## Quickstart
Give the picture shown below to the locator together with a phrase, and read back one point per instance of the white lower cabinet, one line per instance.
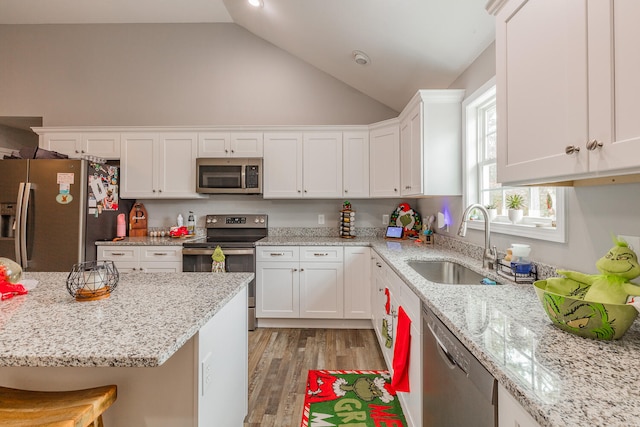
(357, 282)
(511, 413)
(386, 281)
(312, 282)
(148, 259)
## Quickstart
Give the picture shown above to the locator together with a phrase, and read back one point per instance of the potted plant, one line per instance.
(515, 203)
(492, 208)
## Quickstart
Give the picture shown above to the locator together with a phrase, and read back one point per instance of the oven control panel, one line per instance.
(236, 221)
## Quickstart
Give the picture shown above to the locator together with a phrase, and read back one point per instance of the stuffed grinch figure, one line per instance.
(613, 286)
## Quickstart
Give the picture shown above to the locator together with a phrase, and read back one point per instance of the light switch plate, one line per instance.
(385, 219)
(320, 219)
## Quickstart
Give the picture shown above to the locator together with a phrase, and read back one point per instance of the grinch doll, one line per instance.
(613, 286)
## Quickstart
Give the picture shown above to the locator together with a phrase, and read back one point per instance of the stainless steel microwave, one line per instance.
(229, 175)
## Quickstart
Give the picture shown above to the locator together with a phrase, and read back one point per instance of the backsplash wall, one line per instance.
(282, 213)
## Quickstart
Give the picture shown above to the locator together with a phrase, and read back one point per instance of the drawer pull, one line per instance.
(320, 254)
(276, 254)
(160, 253)
(118, 253)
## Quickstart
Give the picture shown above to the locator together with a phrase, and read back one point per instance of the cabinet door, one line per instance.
(277, 289)
(321, 290)
(177, 165)
(384, 156)
(614, 87)
(510, 412)
(102, 144)
(542, 96)
(357, 282)
(214, 144)
(355, 164)
(64, 143)
(247, 144)
(161, 267)
(138, 165)
(322, 165)
(282, 165)
(411, 152)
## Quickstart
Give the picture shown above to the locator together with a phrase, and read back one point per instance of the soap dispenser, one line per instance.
(191, 223)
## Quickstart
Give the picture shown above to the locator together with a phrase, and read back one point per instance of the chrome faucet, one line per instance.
(490, 256)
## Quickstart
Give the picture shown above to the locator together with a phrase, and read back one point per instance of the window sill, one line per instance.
(550, 234)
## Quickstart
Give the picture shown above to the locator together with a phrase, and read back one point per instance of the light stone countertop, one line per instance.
(152, 241)
(559, 378)
(147, 318)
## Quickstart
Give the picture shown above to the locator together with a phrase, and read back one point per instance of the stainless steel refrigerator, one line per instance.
(53, 211)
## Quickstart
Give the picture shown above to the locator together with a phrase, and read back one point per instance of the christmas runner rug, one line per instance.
(342, 398)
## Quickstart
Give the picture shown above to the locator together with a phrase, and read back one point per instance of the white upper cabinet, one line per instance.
(384, 159)
(105, 145)
(158, 165)
(322, 164)
(430, 156)
(355, 164)
(303, 165)
(230, 144)
(567, 90)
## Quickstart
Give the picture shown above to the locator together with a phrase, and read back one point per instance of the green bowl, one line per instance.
(600, 321)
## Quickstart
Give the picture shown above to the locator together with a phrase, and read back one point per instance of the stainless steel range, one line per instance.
(237, 236)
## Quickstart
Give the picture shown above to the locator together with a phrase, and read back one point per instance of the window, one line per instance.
(544, 207)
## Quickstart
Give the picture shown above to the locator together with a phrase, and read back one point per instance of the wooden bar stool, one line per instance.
(77, 408)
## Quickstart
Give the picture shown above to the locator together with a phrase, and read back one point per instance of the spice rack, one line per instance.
(347, 219)
(505, 270)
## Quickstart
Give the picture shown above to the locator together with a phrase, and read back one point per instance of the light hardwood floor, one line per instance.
(280, 358)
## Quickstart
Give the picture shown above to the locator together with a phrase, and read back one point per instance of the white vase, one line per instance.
(493, 214)
(515, 215)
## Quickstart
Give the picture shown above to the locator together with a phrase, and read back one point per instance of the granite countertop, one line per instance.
(147, 318)
(559, 378)
(152, 241)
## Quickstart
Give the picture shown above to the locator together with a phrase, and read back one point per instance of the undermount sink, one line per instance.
(447, 272)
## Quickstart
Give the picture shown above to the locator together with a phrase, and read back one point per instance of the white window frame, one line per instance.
(470, 187)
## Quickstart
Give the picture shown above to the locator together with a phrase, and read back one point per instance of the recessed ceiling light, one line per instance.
(256, 3)
(360, 57)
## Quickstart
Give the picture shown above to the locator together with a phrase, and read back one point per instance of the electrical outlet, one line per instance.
(207, 373)
(320, 219)
(632, 241)
(385, 219)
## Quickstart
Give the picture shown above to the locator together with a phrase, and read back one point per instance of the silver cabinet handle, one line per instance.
(320, 254)
(593, 144)
(160, 253)
(117, 253)
(571, 149)
(276, 254)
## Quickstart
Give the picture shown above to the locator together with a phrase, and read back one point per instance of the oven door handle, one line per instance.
(207, 251)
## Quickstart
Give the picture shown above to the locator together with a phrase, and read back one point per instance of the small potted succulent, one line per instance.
(492, 208)
(515, 203)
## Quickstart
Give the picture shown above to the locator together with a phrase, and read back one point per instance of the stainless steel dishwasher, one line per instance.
(457, 390)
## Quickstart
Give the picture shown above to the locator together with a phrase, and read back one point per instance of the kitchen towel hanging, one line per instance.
(387, 320)
(401, 352)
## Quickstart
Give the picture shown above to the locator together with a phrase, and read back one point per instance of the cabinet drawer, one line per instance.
(160, 253)
(321, 253)
(277, 253)
(117, 253)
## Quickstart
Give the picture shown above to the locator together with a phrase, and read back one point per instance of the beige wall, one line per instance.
(167, 74)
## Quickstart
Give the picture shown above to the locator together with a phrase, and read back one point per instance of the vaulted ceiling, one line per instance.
(411, 44)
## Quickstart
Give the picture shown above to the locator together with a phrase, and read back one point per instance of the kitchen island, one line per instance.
(560, 379)
(175, 345)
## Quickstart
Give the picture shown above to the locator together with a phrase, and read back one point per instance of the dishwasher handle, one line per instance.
(446, 356)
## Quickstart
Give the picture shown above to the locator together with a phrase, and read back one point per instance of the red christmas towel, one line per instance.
(400, 380)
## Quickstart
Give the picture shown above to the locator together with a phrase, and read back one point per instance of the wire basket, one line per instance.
(92, 280)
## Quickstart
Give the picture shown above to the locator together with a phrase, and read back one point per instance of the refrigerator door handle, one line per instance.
(23, 208)
(18, 224)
